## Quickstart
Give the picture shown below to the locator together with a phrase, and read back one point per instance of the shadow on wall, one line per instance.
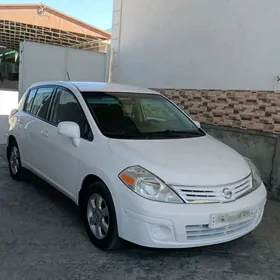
(4, 126)
(8, 101)
(9, 85)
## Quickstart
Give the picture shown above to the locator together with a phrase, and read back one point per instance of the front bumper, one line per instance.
(163, 225)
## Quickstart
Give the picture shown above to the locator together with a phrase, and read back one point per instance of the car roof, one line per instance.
(99, 87)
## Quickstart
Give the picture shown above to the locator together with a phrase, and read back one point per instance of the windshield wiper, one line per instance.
(174, 133)
(122, 134)
(170, 131)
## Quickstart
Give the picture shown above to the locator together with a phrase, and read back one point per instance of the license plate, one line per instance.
(222, 220)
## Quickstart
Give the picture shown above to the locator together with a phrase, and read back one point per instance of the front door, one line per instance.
(64, 159)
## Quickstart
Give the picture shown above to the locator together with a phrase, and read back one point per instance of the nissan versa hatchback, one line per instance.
(137, 166)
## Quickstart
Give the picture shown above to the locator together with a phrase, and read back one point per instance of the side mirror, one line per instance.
(197, 124)
(70, 130)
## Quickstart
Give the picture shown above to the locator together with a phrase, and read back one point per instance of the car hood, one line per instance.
(202, 161)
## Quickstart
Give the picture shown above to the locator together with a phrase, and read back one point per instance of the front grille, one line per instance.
(214, 193)
(204, 232)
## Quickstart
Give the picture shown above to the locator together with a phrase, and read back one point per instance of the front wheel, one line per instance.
(100, 217)
(17, 172)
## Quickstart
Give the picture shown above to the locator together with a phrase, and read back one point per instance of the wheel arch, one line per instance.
(88, 180)
(11, 139)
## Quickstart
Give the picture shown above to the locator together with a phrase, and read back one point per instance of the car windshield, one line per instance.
(139, 116)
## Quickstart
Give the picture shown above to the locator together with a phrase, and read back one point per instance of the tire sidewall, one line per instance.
(19, 175)
(109, 242)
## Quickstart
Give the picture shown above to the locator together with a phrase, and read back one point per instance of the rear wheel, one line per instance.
(17, 172)
(99, 217)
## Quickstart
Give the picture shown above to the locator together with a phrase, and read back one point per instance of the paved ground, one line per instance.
(41, 237)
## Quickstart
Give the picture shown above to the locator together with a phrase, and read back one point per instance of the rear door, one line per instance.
(36, 127)
(23, 118)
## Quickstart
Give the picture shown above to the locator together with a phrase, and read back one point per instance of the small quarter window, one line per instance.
(30, 100)
(22, 101)
(41, 102)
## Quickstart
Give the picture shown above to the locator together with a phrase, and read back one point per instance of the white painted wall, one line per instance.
(213, 44)
(42, 62)
(8, 101)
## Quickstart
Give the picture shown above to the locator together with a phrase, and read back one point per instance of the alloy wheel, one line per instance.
(14, 160)
(98, 216)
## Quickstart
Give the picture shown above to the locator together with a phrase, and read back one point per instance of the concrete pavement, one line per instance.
(42, 237)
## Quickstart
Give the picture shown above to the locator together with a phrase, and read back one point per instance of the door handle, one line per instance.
(20, 121)
(45, 133)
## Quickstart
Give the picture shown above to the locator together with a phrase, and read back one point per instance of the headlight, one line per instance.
(255, 174)
(148, 185)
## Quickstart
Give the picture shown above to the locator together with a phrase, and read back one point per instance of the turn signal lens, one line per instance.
(255, 174)
(14, 111)
(127, 179)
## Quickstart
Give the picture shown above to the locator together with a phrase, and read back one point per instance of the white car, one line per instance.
(136, 165)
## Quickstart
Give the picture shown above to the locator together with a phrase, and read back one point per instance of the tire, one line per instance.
(17, 172)
(97, 196)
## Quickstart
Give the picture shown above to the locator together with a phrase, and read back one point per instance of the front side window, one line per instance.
(139, 116)
(67, 108)
(41, 102)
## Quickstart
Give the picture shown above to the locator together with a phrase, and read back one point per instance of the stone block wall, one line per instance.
(262, 148)
(247, 121)
(253, 110)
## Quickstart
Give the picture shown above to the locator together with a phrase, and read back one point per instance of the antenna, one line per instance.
(68, 76)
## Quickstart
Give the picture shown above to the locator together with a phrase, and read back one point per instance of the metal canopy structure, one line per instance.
(39, 23)
(11, 33)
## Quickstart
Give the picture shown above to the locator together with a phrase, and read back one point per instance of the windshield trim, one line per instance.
(144, 136)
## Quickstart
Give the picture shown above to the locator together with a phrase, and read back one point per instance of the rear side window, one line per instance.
(30, 100)
(41, 102)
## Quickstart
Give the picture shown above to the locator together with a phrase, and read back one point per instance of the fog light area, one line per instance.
(162, 233)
